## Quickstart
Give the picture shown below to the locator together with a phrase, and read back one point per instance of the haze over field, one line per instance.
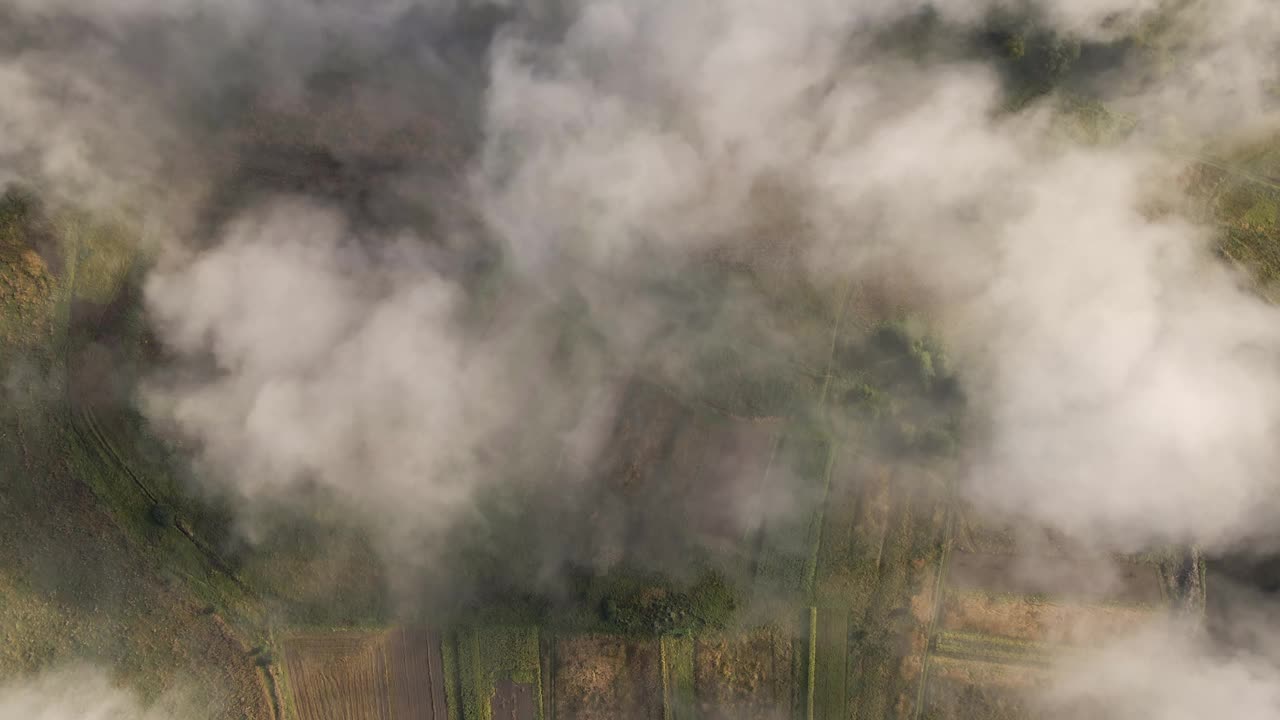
(321, 184)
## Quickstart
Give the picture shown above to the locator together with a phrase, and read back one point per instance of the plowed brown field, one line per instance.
(394, 675)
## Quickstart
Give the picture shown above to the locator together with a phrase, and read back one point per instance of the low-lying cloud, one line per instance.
(81, 693)
(325, 320)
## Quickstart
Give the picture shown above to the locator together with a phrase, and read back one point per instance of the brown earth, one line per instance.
(602, 677)
(743, 677)
(417, 675)
(647, 420)
(673, 465)
(511, 701)
(719, 464)
(393, 675)
(951, 697)
(339, 675)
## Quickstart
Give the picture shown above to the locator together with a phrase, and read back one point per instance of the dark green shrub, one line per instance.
(163, 515)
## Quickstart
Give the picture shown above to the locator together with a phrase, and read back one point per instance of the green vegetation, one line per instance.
(976, 646)
(811, 666)
(679, 701)
(1241, 194)
(127, 590)
(487, 654)
(1034, 60)
(896, 387)
(647, 604)
(107, 254)
(830, 656)
(452, 676)
(1086, 121)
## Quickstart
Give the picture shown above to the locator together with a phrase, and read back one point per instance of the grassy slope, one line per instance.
(82, 579)
(75, 587)
(1241, 189)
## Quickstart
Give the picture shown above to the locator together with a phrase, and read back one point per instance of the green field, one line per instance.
(830, 658)
(679, 701)
(488, 654)
(973, 646)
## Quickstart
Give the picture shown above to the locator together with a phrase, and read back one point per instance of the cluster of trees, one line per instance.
(644, 605)
(1033, 60)
(898, 382)
(1034, 57)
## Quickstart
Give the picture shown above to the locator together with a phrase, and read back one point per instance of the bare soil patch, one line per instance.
(513, 701)
(603, 677)
(417, 675)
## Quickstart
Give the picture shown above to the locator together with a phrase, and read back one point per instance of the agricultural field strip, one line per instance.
(346, 673)
(668, 687)
(835, 338)
(678, 687)
(502, 652)
(417, 675)
(547, 662)
(1054, 599)
(809, 578)
(452, 675)
(811, 563)
(939, 589)
(811, 669)
(607, 676)
(811, 568)
(990, 648)
(831, 664)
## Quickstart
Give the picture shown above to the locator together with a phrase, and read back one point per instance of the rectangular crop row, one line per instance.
(991, 648)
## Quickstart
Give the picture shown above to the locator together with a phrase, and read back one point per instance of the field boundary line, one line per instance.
(1229, 169)
(837, 326)
(666, 678)
(90, 434)
(939, 591)
(812, 669)
(996, 649)
(811, 563)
